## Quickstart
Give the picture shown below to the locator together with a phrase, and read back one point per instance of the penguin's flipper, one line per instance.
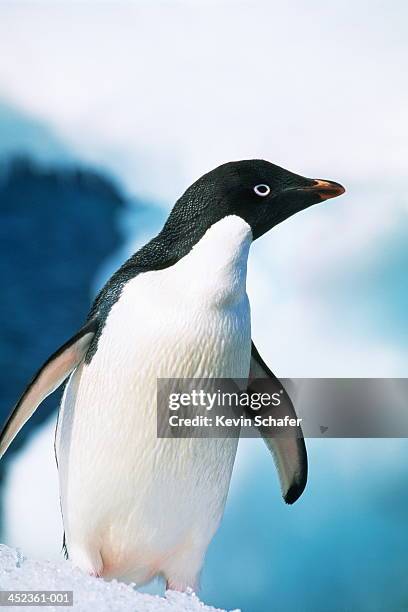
(289, 451)
(52, 374)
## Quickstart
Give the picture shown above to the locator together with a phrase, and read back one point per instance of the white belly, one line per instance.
(135, 505)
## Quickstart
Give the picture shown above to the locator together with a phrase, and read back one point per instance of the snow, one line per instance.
(90, 594)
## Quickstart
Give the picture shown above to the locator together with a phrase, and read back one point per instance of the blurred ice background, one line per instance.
(149, 95)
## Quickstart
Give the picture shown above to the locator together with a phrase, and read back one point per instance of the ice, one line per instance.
(90, 594)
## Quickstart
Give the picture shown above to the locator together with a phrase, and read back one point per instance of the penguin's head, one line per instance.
(262, 193)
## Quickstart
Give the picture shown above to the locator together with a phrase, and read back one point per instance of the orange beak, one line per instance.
(325, 189)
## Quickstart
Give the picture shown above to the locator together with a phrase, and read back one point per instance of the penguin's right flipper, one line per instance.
(52, 374)
(289, 451)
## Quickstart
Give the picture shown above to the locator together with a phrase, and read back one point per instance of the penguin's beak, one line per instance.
(323, 189)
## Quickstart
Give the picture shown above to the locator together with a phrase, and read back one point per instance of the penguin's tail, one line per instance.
(64, 548)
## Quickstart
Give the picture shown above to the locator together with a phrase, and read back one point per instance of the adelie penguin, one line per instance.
(134, 505)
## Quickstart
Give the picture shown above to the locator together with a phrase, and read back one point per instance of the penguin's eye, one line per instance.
(262, 190)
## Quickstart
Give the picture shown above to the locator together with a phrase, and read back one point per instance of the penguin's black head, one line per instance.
(256, 190)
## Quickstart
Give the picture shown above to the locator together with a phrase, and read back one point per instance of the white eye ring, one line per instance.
(262, 190)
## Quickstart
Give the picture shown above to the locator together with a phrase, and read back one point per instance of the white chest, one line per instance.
(119, 482)
(192, 319)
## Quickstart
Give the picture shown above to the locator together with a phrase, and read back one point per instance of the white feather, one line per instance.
(134, 505)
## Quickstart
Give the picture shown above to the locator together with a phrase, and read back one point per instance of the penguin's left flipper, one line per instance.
(52, 374)
(288, 450)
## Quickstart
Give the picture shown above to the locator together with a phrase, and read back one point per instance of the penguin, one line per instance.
(135, 506)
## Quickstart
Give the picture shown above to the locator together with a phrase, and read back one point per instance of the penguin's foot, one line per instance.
(182, 568)
(92, 564)
(95, 574)
(181, 585)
